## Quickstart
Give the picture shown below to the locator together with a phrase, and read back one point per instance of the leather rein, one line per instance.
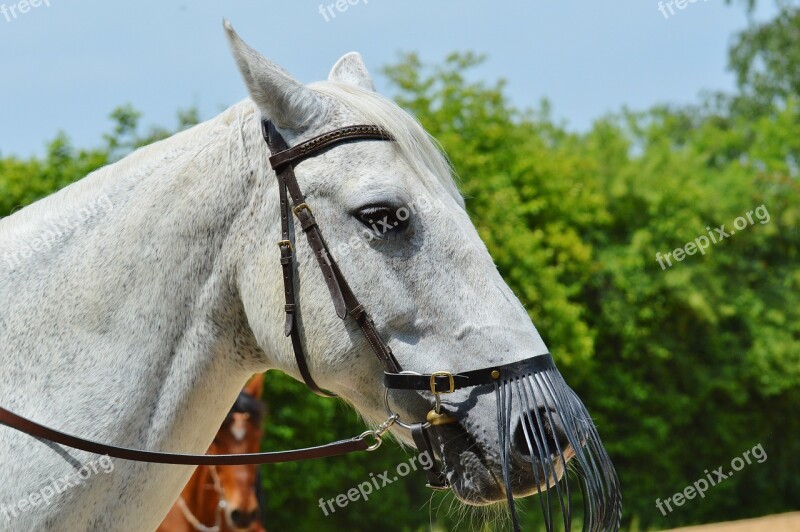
(292, 200)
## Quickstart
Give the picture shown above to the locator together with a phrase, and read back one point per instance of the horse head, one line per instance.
(398, 231)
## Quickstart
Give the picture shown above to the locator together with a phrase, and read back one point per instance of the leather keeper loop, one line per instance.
(357, 312)
(307, 220)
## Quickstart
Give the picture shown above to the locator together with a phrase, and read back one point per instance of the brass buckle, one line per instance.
(282, 243)
(302, 206)
(442, 374)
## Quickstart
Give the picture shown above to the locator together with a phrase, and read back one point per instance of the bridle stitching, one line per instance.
(334, 135)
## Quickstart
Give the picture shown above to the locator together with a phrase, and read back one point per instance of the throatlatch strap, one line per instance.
(286, 246)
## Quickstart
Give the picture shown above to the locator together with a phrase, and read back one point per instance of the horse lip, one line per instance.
(493, 490)
(490, 492)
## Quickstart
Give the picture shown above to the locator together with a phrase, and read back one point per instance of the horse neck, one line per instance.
(125, 325)
(122, 289)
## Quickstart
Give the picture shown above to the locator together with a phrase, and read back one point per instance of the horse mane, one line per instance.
(135, 166)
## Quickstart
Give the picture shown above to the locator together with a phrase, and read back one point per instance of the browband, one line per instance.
(315, 145)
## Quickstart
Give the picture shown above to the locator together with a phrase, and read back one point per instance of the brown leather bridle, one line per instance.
(283, 161)
(345, 302)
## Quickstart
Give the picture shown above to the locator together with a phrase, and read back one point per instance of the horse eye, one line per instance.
(383, 220)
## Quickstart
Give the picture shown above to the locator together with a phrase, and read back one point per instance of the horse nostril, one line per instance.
(541, 440)
(243, 519)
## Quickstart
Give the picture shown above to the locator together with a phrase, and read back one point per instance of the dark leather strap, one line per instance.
(445, 382)
(344, 300)
(319, 143)
(436, 477)
(40, 431)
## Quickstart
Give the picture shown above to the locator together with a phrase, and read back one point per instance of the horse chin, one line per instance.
(473, 482)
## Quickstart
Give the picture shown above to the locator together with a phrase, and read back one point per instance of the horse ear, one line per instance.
(284, 100)
(351, 70)
(255, 386)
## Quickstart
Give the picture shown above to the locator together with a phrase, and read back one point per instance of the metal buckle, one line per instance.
(442, 374)
(302, 206)
(282, 243)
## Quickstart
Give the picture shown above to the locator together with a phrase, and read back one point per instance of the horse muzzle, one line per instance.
(518, 446)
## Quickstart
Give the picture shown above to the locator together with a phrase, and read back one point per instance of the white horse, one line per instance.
(135, 303)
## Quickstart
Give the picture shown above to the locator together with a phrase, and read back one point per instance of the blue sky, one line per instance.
(67, 65)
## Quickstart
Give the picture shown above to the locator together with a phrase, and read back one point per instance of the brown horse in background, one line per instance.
(224, 498)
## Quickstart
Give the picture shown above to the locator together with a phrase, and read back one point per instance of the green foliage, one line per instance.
(683, 368)
(24, 181)
(765, 60)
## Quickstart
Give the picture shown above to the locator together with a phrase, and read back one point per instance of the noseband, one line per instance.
(345, 302)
